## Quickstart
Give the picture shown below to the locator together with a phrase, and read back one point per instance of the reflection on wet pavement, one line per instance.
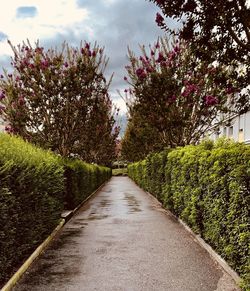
(133, 203)
(122, 240)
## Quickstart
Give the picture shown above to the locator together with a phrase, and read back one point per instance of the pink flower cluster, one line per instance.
(189, 89)
(2, 95)
(141, 74)
(159, 19)
(210, 100)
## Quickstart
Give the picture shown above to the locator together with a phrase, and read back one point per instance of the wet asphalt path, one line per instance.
(123, 240)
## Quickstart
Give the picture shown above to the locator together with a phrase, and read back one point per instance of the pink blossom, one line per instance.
(125, 78)
(161, 58)
(150, 69)
(2, 95)
(211, 100)
(176, 48)
(141, 73)
(9, 129)
(160, 2)
(230, 90)
(159, 19)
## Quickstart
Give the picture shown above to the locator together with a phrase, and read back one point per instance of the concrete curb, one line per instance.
(216, 257)
(13, 280)
(65, 217)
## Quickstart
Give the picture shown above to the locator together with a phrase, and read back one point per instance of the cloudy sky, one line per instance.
(114, 24)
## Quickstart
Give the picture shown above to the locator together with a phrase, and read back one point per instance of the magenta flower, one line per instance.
(125, 78)
(9, 129)
(44, 64)
(176, 48)
(66, 65)
(230, 90)
(160, 2)
(210, 100)
(159, 19)
(150, 69)
(141, 73)
(2, 95)
(161, 58)
(87, 46)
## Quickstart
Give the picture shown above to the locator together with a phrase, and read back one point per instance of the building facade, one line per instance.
(238, 129)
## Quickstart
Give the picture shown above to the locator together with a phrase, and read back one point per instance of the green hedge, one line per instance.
(208, 187)
(81, 180)
(35, 186)
(31, 193)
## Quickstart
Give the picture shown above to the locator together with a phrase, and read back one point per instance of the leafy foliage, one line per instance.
(207, 186)
(59, 99)
(31, 199)
(181, 97)
(81, 180)
(35, 187)
(224, 37)
(140, 138)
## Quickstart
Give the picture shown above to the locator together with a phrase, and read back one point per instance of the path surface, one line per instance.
(123, 240)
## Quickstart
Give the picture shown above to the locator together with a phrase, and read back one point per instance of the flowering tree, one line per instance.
(181, 96)
(216, 30)
(59, 99)
(225, 36)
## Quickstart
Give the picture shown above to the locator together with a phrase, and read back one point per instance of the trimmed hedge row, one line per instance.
(35, 186)
(208, 187)
(81, 179)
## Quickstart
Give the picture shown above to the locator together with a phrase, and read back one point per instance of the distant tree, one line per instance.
(59, 99)
(215, 29)
(140, 138)
(180, 96)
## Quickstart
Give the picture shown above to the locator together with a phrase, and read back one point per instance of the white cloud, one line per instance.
(53, 17)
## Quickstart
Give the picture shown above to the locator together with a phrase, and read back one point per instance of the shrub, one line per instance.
(208, 187)
(81, 180)
(31, 193)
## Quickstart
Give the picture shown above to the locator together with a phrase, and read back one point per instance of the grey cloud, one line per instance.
(26, 11)
(115, 26)
(119, 25)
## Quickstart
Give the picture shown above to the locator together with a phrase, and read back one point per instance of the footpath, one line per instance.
(123, 240)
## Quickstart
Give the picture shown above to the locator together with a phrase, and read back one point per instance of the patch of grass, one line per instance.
(120, 172)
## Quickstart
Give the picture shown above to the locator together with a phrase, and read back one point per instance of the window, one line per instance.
(241, 135)
(230, 131)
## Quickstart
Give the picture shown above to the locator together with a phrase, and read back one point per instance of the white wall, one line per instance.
(239, 129)
(2, 126)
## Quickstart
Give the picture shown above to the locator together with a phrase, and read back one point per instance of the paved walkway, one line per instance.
(123, 240)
